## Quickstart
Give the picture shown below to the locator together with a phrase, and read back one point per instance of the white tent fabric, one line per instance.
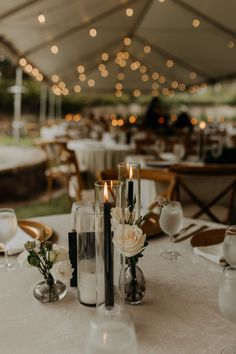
(180, 52)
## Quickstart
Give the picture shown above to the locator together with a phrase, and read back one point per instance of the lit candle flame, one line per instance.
(130, 172)
(105, 192)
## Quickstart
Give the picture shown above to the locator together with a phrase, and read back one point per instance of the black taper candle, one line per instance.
(72, 242)
(108, 263)
(131, 195)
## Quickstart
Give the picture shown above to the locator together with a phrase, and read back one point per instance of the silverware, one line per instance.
(183, 230)
(201, 228)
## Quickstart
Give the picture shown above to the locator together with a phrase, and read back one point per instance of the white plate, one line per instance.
(213, 253)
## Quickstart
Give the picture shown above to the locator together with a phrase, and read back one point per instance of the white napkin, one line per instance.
(213, 253)
(16, 244)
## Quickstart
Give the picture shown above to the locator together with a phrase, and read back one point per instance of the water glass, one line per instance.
(171, 222)
(227, 294)
(229, 245)
(85, 228)
(8, 229)
(113, 336)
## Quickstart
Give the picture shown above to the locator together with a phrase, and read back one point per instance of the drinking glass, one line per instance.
(113, 336)
(229, 245)
(227, 300)
(8, 228)
(171, 222)
(179, 150)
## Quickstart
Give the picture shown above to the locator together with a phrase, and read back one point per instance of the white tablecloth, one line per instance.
(179, 314)
(96, 156)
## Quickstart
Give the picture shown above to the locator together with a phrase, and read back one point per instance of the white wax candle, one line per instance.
(87, 282)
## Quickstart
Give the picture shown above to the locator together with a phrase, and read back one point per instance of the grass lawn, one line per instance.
(57, 205)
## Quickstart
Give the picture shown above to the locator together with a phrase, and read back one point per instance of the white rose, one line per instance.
(129, 239)
(62, 271)
(62, 253)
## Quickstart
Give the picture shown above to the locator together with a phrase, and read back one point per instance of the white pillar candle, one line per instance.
(87, 282)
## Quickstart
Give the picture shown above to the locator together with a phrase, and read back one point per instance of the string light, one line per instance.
(192, 75)
(80, 69)
(137, 93)
(127, 41)
(82, 77)
(120, 76)
(55, 78)
(143, 69)
(169, 63)
(77, 88)
(119, 86)
(196, 23)
(129, 12)
(28, 68)
(54, 49)
(93, 32)
(155, 76)
(230, 44)
(22, 62)
(174, 84)
(105, 56)
(41, 18)
(147, 49)
(91, 83)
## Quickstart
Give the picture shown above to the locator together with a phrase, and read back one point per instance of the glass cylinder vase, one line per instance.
(129, 173)
(109, 201)
(86, 260)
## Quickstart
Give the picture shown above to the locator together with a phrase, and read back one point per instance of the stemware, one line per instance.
(171, 222)
(8, 228)
(229, 245)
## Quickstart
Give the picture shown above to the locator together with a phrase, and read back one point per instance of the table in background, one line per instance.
(179, 313)
(95, 156)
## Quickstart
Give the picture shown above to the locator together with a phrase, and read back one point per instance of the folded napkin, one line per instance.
(16, 244)
(213, 253)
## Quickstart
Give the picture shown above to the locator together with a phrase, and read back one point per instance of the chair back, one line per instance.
(62, 163)
(206, 191)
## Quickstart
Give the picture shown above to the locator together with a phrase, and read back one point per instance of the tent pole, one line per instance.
(51, 111)
(17, 104)
(43, 104)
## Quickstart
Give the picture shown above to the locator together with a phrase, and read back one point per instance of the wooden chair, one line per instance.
(62, 166)
(163, 177)
(206, 191)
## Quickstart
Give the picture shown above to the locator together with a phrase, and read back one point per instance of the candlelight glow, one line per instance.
(105, 192)
(130, 172)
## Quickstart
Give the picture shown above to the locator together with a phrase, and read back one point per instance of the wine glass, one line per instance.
(229, 245)
(8, 228)
(171, 222)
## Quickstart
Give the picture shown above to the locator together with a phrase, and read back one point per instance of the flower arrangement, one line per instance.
(130, 240)
(51, 260)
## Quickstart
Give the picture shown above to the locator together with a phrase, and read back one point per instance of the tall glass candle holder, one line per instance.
(129, 173)
(85, 227)
(109, 200)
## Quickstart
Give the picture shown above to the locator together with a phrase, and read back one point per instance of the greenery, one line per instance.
(58, 205)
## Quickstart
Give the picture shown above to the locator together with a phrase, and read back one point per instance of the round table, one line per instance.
(179, 314)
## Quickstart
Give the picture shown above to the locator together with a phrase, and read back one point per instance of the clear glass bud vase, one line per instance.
(49, 290)
(134, 283)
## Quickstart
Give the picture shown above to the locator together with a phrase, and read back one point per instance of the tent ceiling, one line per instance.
(179, 52)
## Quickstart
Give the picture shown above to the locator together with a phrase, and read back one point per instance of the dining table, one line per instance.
(94, 156)
(178, 315)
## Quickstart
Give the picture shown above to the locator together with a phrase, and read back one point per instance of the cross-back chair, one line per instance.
(206, 191)
(62, 166)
